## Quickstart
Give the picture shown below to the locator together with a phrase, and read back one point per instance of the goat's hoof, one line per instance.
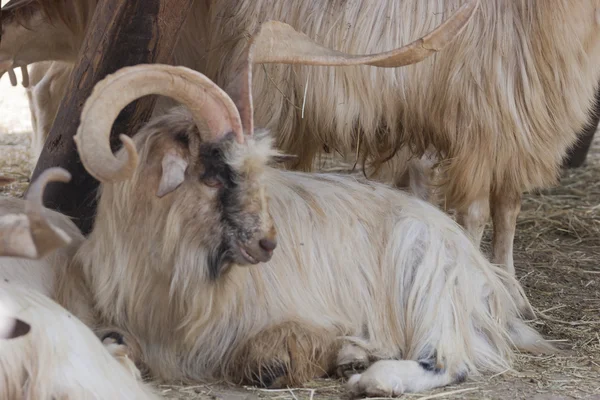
(354, 367)
(273, 376)
(113, 337)
(351, 359)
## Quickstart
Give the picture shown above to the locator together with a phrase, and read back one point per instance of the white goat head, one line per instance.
(204, 184)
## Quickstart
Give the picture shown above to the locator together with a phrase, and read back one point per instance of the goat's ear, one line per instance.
(282, 158)
(173, 173)
(11, 328)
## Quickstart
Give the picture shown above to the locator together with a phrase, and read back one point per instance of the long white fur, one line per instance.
(365, 263)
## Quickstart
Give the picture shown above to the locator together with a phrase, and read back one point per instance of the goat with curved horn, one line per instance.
(207, 103)
(277, 42)
(31, 235)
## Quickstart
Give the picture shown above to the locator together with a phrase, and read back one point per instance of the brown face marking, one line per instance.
(237, 203)
(238, 216)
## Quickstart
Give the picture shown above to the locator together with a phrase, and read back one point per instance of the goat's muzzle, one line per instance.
(258, 251)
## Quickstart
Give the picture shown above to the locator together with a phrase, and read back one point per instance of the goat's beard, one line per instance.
(219, 260)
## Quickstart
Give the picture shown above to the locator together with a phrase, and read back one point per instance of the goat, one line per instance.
(500, 106)
(51, 354)
(355, 275)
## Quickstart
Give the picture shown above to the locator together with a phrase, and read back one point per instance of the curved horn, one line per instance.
(206, 101)
(277, 42)
(32, 235)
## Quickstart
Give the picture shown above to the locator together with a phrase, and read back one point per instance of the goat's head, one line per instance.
(194, 174)
(207, 164)
(212, 188)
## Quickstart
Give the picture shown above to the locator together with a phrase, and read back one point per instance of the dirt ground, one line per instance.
(557, 250)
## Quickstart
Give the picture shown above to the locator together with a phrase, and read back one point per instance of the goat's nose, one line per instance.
(267, 244)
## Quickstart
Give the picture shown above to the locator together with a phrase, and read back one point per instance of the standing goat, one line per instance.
(47, 83)
(355, 276)
(51, 354)
(501, 105)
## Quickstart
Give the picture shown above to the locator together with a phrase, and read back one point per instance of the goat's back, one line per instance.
(516, 84)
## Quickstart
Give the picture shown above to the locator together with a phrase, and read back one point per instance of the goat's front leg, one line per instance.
(505, 206)
(287, 354)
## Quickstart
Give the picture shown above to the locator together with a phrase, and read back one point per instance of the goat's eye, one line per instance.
(212, 182)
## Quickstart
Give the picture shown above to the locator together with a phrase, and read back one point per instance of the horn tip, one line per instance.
(132, 155)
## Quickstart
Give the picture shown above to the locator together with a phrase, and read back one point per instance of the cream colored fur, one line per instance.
(356, 265)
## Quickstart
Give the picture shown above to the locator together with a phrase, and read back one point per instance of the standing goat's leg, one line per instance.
(417, 176)
(505, 206)
(474, 218)
(419, 182)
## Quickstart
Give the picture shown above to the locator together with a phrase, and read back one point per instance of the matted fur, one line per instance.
(359, 264)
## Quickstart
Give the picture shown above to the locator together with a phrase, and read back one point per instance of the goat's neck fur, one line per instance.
(357, 260)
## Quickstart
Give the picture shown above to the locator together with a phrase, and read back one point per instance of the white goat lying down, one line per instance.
(355, 275)
(52, 355)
